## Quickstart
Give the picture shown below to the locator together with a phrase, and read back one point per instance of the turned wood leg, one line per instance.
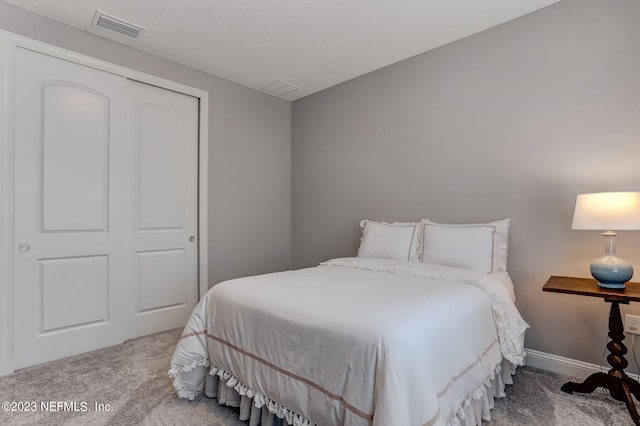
(634, 387)
(617, 349)
(596, 380)
(620, 385)
(631, 406)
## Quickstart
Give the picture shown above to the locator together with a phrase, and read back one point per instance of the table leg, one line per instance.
(620, 386)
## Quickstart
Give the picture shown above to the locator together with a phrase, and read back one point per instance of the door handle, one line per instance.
(192, 239)
(24, 247)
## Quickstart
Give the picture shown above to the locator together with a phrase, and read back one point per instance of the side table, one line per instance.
(620, 386)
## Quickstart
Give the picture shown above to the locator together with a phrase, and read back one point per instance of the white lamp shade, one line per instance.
(607, 211)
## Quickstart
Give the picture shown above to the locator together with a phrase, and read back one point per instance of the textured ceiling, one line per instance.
(312, 44)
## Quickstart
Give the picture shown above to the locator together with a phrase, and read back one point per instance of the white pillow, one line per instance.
(478, 246)
(389, 240)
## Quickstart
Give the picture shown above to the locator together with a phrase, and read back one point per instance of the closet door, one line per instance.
(70, 291)
(105, 208)
(164, 229)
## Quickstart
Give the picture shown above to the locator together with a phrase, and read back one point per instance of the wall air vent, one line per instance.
(279, 88)
(118, 25)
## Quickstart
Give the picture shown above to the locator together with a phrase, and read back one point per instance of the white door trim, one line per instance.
(8, 44)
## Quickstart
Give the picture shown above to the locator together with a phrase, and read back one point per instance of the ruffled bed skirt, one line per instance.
(259, 410)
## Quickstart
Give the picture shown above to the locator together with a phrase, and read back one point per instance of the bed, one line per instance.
(356, 341)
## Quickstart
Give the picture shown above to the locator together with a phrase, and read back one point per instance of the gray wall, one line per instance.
(512, 122)
(249, 150)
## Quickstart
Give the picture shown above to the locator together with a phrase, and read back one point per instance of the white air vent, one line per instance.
(113, 23)
(279, 88)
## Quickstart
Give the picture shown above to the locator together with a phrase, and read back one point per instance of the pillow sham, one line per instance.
(384, 240)
(477, 246)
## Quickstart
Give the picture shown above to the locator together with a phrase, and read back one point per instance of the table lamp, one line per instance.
(608, 211)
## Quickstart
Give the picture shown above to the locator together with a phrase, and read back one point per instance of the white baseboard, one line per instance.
(567, 366)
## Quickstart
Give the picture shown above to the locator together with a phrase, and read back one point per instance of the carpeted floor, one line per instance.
(132, 379)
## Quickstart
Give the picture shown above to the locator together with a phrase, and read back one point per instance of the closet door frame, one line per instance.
(9, 42)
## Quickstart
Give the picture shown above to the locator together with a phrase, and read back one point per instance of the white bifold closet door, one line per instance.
(105, 220)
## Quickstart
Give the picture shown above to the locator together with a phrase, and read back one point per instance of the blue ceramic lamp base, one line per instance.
(611, 272)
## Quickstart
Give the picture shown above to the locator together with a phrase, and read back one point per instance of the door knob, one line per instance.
(192, 238)
(24, 247)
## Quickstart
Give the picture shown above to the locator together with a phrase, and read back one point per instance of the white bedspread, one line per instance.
(354, 341)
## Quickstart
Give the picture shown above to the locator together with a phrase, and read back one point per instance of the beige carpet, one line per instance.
(132, 379)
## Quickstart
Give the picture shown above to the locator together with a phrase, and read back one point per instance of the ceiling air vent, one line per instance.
(279, 88)
(118, 25)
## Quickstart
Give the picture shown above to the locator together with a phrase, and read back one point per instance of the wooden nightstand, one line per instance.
(620, 386)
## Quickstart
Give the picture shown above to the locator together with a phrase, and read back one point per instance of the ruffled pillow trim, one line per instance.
(260, 400)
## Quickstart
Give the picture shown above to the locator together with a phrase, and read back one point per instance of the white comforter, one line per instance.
(354, 341)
